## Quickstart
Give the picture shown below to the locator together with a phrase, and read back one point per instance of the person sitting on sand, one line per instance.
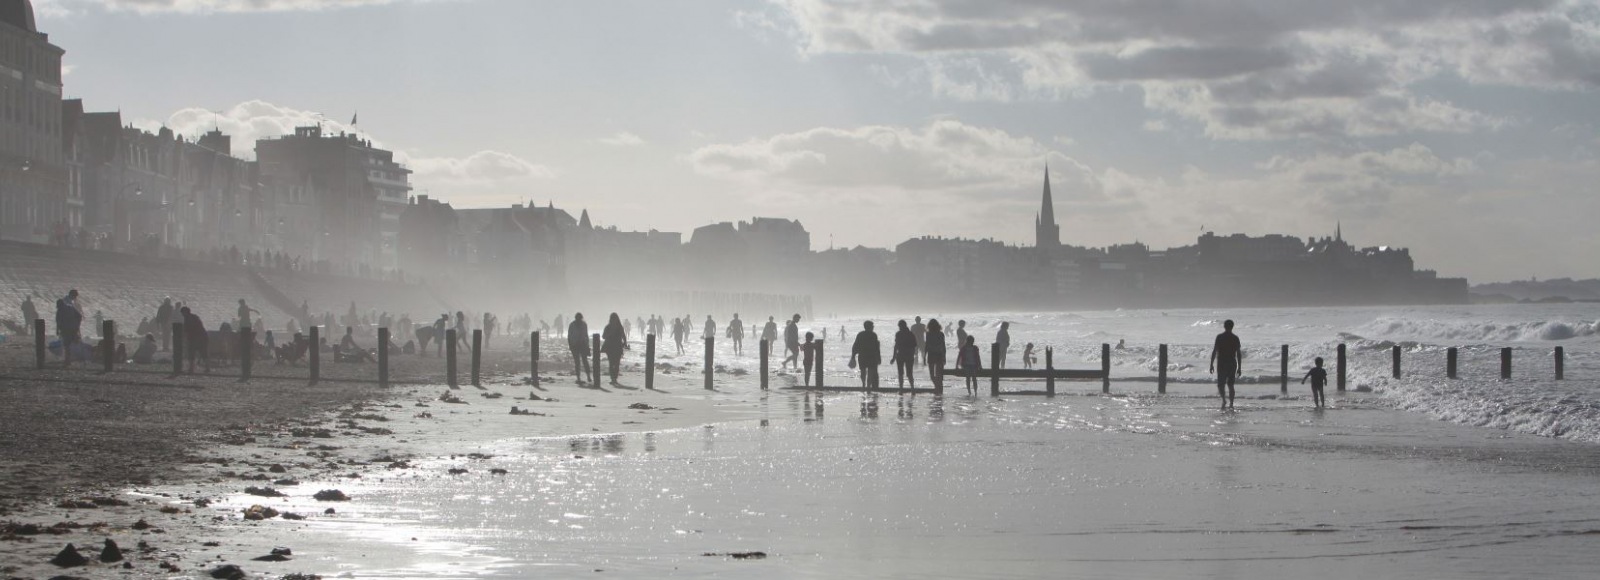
(1319, 379)
(146, 353)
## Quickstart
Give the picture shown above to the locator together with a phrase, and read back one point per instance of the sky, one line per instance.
(1465, 130)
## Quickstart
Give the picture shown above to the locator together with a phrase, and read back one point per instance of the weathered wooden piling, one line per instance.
(1049, 365)
(709, 361)
(383, 357)
(108, 345)
(247, 352)
(1161, 371)
(650, 361)
(1283, 369)
(1450, 362)
(1505, 363)
(994, 363)
(1396, 352)
(1561, 363)
(819, 365)
(477, 356)
(315, 352)
(38, 343)
(764, 350)
(1340, 370)
(450, 357)
(594, 354)
(1105, 368)
(533, 359)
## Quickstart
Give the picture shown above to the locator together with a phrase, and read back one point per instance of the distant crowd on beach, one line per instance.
(914, 344)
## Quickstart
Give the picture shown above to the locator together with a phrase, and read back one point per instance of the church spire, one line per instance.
(1046, 233)
(1338, 231)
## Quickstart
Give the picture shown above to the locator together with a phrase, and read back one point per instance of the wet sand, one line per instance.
(81, 452)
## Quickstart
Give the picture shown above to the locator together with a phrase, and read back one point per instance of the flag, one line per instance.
(353, 117)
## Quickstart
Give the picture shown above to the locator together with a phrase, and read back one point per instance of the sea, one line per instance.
(1421, 476)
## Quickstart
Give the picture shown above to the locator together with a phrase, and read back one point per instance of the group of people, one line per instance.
(926, 341)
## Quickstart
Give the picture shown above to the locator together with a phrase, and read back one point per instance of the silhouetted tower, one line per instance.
(1047, 234)
(1338, 231)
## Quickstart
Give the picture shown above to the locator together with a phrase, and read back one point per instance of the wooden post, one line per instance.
(178, 346)
(533, 360)
(1396, 351)
(247, 352)
(709, 361)
(1341, 368)
(38, 343)
(1283, 370)
(819, 364)
(1561, 363)
(1450, 362)
(477, 356)
(1050, 375)
(994, 364)
(1105, 368)
(450, 357)
(594, 358)
(650, 361)
(765, 349)
(383, 357)
(1161, 373)
(108, 344)
(316, 355)
(1505, 363)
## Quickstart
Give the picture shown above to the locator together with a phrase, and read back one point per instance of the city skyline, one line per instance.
(923, 123)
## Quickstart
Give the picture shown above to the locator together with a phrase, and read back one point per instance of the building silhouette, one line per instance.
(35, 197)
(1047, 234)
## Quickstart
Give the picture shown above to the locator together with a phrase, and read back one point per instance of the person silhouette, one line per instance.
(736, 334)
(1003, 339)
(961, 338)
(905, 356)
(615, 340)
(578, 343)
(921, 332)
(679, 329)
(1227, 361)
(791, 342)
(809, 349)
(867, 353)
(933, 352)
(970, 360)
(1319, 379)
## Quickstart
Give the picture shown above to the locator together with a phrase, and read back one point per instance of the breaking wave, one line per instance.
(1477, 331)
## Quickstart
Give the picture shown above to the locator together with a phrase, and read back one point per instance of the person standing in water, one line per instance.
(679, 329)
(1003, 339)
(736, 334)
(921, 332)
(970, 360)
(711, 328)
(934, 352)
(905, 356)
(867, 353)
(791, 342)
(1227, 360)
(809, 349)
(961, 338)
(614, 341)
(1319, 379)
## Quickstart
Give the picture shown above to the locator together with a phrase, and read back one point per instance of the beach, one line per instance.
(686, 482)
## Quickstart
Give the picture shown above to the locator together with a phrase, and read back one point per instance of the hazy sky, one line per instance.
(1467, 130)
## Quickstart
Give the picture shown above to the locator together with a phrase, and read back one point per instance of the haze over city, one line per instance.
(1466, 132)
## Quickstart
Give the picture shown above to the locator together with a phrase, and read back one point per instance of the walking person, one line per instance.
(578, 343)
(614, 340)
(679, 329)
(69, 323)
(1003, 338)
(1319, 379)
(921, 332)
(196, 343)
(867, 353)
(905, 356)
(736, 334)
(933, 352)
(970, 360)
(1227, 361)
(791, 342)
(30, 313)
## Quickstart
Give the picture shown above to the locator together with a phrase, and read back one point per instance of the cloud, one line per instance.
(68, 7)
(623, 139)
(480, 167)
(1241, 69)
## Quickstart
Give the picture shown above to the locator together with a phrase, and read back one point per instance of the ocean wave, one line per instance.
(1532, 407)
(1480, 331)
